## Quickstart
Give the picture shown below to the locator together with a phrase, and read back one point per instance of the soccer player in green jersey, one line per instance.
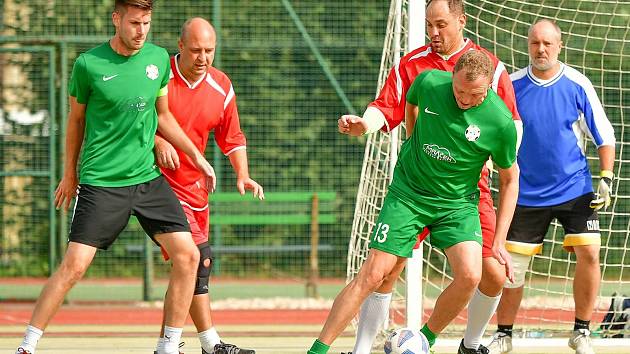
(117, 102)
(459, 123)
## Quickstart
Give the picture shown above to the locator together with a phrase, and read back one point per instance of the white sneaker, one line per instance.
(501, 343)
(581, 342)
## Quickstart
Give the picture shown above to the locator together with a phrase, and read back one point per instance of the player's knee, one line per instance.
(588, 256)
(468, 278)
(72, 272)
(186, 258)
(520, 264)
(204, 269)
(492, 278)
(371, 279)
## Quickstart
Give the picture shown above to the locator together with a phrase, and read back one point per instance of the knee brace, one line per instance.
(205, 266)
(521, 264)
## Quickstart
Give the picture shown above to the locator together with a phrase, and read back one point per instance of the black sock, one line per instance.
(580, 324)
(506, 329)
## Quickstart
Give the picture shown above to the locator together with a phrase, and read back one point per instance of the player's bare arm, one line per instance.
(168, 127)
(165, 154)
(411, 115)
(238, 159)
(69, 183)
(508, 194)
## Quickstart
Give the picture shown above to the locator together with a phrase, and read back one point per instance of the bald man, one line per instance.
(202, 100)
(555, 180)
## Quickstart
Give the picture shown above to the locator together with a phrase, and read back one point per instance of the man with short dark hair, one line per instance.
(460, 122)
(117, 102)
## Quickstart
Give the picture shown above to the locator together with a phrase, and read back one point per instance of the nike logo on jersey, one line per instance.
(107, 78)
(477, 234)
(426, 110)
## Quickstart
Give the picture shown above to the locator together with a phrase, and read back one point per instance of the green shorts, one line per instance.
(400, 221)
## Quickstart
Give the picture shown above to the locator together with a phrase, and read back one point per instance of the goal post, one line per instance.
(596, 36)
(413, 271)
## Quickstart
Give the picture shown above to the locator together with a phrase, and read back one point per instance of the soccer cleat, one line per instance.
(581, 342)
(501, 343)
(21, 350)
(464, 350)
(224, 348)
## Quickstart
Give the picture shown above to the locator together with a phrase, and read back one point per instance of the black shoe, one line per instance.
(464, 350)
(224, 348)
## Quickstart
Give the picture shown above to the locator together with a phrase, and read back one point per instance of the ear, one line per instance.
(462, 21)
(116, 19)
(180, 45)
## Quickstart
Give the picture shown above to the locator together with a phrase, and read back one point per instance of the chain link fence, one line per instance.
(295, 66)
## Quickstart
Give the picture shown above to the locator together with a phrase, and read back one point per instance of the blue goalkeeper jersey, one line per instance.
(558, 116)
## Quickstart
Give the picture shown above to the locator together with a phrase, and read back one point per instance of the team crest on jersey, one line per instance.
(472, 133)
(152, 72)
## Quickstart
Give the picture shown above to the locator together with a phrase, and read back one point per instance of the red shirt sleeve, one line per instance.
(505, 90)
(228, 134)
(391, 100)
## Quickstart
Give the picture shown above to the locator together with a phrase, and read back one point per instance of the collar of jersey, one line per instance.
(179, 73)
(545, 83)
(447, 57)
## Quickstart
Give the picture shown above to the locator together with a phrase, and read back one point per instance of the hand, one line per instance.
(165, 154)
(503, 256)
(603, 192)
(205, 167)
(352, 125)
(249, 184)
(66, 190)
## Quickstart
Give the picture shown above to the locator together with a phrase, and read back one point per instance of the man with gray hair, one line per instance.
(555, 179)
(460, 122)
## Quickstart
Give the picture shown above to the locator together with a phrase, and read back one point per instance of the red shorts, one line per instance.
(199, 225)
(488, 220)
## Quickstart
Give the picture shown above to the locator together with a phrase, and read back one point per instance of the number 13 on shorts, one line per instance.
(380, 234)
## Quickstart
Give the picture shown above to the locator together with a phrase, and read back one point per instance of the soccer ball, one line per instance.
(406, 341)
(472, 132)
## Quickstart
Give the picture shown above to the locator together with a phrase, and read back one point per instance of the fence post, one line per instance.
(311, 284)
(147, 281)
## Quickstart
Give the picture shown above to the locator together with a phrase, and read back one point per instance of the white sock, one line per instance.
(31, 337)
(372, 319)
(209, 338)
(480, 311)
(170, 341)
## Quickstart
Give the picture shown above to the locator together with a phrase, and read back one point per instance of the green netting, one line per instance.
(287, 102)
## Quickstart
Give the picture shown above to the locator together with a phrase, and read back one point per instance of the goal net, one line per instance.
(596, 36)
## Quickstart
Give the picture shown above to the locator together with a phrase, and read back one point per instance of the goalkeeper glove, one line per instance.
(603, 190)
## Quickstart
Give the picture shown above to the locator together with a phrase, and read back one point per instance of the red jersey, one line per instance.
(200, 107)
(391, 100)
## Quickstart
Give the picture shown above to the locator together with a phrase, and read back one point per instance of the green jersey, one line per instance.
(120, 121)
(449, 146)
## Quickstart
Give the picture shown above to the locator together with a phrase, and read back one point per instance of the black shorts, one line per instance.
(101, 213)
(530, 224)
